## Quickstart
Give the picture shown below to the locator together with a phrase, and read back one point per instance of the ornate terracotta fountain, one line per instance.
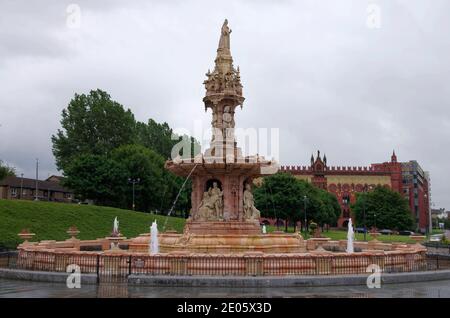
(222, 235)
(223, 215)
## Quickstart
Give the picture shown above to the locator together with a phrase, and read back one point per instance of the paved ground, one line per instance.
(12, 288)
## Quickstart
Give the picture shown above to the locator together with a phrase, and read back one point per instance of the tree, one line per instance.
(384, 208)
(6, 170)
(92, 124)
(279, 197)
(97, 178)
(156, 136)
(162, 139)
(98, 134)
(329, 210)
(106, 180)
(321, 207)
(137, 161)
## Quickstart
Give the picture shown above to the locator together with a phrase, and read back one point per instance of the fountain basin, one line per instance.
(222, 243)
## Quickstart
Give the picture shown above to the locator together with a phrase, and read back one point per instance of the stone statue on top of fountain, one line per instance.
(228, 124)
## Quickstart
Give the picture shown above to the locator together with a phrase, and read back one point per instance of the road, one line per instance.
(11, 288)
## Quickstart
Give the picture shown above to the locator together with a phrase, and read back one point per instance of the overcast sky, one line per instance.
(331, 75)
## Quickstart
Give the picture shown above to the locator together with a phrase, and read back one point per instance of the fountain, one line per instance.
(115, 238)
(115, 231)
(223, 235)
(350, 237)
(223, 217)
(154, 245)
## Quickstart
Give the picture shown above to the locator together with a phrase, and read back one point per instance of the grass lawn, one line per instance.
(342, 235)
(50, 221)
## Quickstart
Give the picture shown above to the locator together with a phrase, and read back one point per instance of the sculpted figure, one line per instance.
(228, 123)
(211, 206)
(228, 120)
(224, 42)
(206, 207)
(216, 196)
(250, 211)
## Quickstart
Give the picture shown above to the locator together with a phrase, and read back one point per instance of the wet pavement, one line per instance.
(16, 288)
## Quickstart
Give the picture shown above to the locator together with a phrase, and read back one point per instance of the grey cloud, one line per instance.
(312, 69)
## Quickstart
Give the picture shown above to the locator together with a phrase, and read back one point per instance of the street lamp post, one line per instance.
(375, 219)
(304, 209)
(36, 198)
(21, 185)
(364, 213)
(134, 182)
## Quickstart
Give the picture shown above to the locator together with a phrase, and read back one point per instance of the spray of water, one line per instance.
(350, 237)
(154, 244)
(178, 195)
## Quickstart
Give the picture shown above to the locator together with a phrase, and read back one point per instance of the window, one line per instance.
(13, 192)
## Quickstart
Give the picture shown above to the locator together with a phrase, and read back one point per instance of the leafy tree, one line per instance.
(282, 196)
(329, 210)
(447, 224)
(92, 124)
(183, 203)
(97, 178)
(321, 207)
(279, 197)
(106, 180)
(6, 170)
(162, 139)
(98, 134)
(384, 208)
(137, 161)
(156, 136)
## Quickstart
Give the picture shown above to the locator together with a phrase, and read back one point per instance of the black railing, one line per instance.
(438, 262)
(437, 248)
(8, 259)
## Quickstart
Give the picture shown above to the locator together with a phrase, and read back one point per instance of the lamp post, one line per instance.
(36, 198)
(21, 185)
(134, 182)
(304, 209)
(364, 212)
(375, 219)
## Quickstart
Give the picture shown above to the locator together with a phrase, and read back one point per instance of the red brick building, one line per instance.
(346, 182)
(25, 189)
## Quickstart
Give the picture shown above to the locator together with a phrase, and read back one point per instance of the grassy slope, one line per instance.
(50, 221)
(342, 235)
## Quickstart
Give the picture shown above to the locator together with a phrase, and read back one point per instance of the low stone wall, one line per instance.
(122, 263)
(105, 258)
